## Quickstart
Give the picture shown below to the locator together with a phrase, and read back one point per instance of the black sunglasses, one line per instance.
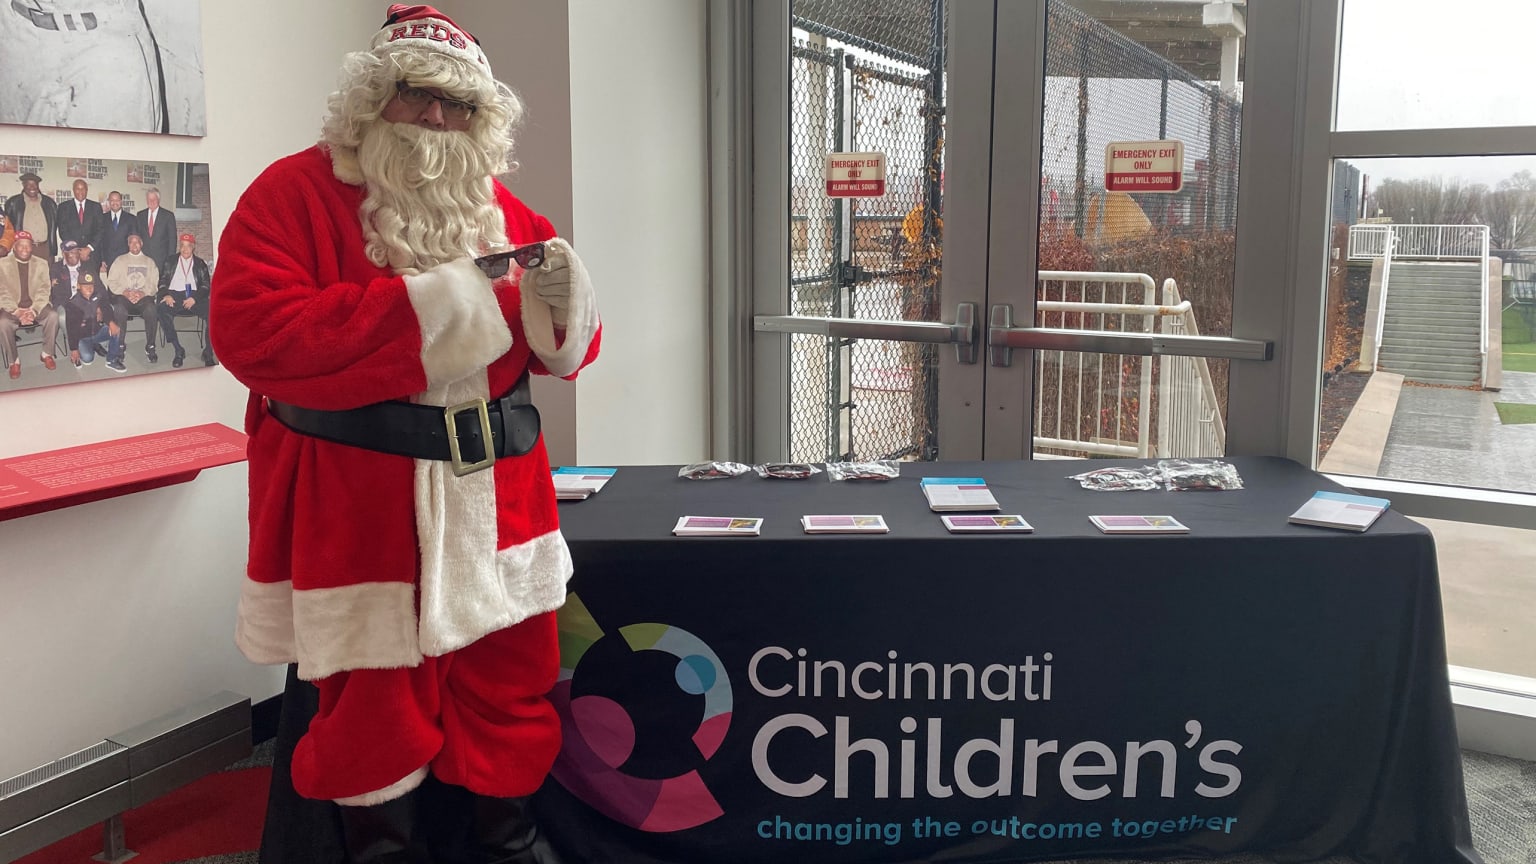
(527, 257)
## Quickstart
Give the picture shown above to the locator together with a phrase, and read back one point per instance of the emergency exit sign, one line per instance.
(855, 175)
(1144, 166)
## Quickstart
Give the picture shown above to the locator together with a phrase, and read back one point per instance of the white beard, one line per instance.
(430, 198)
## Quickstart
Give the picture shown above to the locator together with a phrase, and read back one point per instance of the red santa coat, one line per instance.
(299, 314)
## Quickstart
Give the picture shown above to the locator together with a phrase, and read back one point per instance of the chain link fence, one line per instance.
(1101, 87)
(863, 90)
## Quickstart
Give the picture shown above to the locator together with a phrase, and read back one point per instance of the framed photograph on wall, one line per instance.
(122, 65)
(106, 269)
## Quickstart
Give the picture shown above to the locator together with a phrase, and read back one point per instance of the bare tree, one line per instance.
(1429, 201)
(1510, 212)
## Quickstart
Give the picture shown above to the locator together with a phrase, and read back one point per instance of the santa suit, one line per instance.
(348, 545)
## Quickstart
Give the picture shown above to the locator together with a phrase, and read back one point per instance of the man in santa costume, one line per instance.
(411, 573)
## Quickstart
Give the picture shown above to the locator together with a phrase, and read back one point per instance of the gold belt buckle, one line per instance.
(460, 467)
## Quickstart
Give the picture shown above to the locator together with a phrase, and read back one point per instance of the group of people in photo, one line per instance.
(90, 268)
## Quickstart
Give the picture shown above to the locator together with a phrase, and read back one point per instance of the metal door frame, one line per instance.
(993, 146)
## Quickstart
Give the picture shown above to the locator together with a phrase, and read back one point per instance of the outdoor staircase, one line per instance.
(1432, 331)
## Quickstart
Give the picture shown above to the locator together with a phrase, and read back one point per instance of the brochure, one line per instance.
(958, 494)
(1340, 510)
(870, 524)
(986, 524)
(1139, 525)
(718, 526)
(577, 484)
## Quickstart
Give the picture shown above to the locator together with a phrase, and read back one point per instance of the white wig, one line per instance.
(430, 197)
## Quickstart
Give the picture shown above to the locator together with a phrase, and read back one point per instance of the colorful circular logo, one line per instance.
(601, 735)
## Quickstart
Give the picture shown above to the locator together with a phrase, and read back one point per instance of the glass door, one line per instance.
(982, 141)
(860, 306)
(1128, 321)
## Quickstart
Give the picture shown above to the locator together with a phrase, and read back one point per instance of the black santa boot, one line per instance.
(466, 828)
(505, 832)
(382, 833)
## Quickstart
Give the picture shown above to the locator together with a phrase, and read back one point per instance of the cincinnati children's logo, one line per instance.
(621, 755)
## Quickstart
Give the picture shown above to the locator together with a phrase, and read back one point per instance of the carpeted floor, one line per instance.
(226, 811)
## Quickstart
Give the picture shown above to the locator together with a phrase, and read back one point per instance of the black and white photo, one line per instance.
(121, 65)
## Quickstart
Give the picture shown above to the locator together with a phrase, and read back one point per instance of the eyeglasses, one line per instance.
(496, 264)
(416, 97)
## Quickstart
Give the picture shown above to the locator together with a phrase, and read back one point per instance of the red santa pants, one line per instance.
(479, 717)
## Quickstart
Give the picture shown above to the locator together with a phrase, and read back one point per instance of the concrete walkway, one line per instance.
(1487, 573)
(1442, 435)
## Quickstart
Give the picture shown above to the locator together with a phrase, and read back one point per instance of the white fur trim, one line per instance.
(345, 166)
(374, 625)
(534, 575)
(581, 318)
(264, 624)
(432, 34)
(520, 582)
(455, 531)
(397, 789)
(462, 330)
(366, 626)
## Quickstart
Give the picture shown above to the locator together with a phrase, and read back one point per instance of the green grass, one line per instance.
(1520, 358)
(1512, 413)
(1516, 332)
(1519, 345)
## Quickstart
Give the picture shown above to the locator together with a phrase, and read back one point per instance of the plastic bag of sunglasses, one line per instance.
(883, 469)
(713, 470)
(1148, 479)
(496, 264)
(1182, 475)
(786, 470)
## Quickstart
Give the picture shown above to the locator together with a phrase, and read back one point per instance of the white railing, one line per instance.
(1431, 242)
(1076, 392)
(1482, 329)
(1367, 242)
(1381, 300)
(1189, 420)
(1078, 383)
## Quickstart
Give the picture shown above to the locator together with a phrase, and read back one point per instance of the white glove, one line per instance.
(554, 281)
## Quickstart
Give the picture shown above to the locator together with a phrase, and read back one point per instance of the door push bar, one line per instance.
(962, 334)
(1003, 338)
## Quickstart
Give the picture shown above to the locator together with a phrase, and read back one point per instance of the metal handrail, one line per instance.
(1080, 342)
(1381, 301)
(1483, 310)
(1367, 242)
(1435, 242)
(1172, 343)
(1202, 369)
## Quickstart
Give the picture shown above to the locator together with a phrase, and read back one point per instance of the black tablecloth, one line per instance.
(1287, 684)
(1251, 686)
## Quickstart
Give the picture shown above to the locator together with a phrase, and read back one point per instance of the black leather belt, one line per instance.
(455, 434)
